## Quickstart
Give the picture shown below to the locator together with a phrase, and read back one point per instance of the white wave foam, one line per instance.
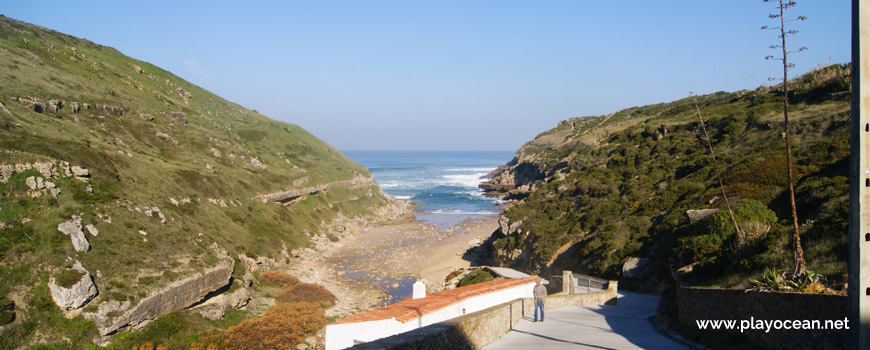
(460, 212)
(463, 180)
(477, 170)
(403, 197)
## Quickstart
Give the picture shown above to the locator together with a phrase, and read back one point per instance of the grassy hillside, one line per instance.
(172, 169)
(596, 191)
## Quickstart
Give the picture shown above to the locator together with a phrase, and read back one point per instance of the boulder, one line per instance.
(74, 107)
(138, 69)
(6, 172)
(699, 214)
(238, 299)
(212, 312)
(46, 169)
(179, 117)
(26, 102)
(635, 267)
(30, 181)
(80, 172)
(166, 137)
(92, 229)
(75, 296)
(257, 164)
(113, 110)
(146, 117)
(3, 108)
(54, 105)
(73, 229)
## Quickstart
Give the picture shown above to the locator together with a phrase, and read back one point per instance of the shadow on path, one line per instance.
(562, 340)
(591, 327)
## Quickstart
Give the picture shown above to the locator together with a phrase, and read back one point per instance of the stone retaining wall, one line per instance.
(476, 330)
(732, 304)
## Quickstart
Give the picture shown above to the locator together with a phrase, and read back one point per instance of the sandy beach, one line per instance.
(359, 268)
(410, 249)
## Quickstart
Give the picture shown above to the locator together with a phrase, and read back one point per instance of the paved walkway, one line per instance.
(591, 327)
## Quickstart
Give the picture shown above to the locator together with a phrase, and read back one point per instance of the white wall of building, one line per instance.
(341, 336)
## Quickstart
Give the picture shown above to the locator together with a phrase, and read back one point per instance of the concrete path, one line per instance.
(591, 327)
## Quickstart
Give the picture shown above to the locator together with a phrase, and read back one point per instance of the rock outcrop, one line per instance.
(167, 137)
(257, 164)
(4, 109)
(54, 105)
(516, 179)
(699, 214)
(179, 117)
(80, 172)
(113, 110)
(174, 297)
(635, 267)
(294, 195)
(78, 294)
(73, 229)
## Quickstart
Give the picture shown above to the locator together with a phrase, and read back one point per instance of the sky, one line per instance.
(451, 75)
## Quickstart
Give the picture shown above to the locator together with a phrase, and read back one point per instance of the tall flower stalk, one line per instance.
(800, 266)
(740, 236)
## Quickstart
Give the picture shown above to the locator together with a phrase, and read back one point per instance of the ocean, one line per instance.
(442, 183)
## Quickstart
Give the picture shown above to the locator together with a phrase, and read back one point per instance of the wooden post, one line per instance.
(859, 182)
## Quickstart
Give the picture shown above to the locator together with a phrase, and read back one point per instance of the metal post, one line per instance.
(859, 182)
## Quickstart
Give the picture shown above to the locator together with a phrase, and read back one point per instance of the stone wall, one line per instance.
(476, 330)
(732, 304)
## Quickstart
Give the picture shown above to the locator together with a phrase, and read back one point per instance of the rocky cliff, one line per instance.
(639, 185)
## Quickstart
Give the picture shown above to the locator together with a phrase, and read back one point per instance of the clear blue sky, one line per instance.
(449, 74)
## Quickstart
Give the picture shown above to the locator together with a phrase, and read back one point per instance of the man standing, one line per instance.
(540, 294)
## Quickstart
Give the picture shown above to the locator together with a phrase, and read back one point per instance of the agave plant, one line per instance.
(772, 280)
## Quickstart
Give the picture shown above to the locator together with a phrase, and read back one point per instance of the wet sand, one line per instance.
(396, 255)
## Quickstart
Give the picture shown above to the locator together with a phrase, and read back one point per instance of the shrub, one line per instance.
(713, 234)
(476, 276)
(278, 278)
(307, 292)
(282, 327)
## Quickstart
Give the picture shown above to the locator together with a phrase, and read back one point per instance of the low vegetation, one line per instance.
(172, 170)
(476, 276)
(605, 189)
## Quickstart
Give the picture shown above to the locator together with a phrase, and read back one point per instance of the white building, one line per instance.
(411, 314)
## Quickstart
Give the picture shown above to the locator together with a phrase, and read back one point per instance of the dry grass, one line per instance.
(306, 292)
(278, 278)
(283, 326)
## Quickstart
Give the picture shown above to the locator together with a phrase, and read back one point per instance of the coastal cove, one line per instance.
(452, 216)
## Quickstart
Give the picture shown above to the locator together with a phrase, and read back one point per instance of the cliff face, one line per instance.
(135, 173)
(595, 192)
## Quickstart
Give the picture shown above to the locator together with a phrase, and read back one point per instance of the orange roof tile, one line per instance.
(409, 309)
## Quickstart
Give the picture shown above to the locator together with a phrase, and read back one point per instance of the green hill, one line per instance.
(595, 192)
(158, 185)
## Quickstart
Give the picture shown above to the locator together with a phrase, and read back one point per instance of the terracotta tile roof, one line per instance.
(409, 309)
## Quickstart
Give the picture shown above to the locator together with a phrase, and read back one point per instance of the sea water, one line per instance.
(443, 183)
